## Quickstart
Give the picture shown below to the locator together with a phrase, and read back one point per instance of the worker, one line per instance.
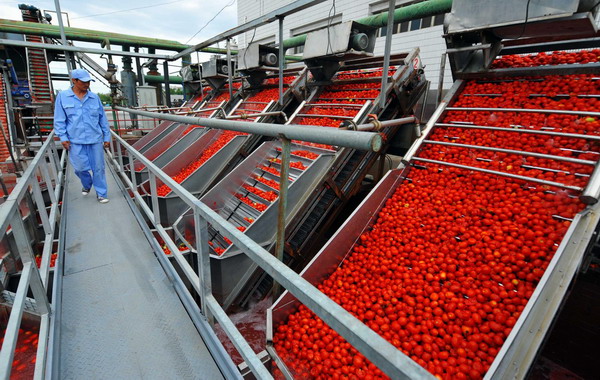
(82, 127)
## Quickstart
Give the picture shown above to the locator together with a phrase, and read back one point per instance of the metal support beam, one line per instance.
(322, 135)
(79, 49)
(63, 37)
(167, 84)
(386, 54)
(283, 194)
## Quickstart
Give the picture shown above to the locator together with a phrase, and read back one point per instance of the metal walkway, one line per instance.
(120, 314)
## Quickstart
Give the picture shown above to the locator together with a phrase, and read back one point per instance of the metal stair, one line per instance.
(39, 79)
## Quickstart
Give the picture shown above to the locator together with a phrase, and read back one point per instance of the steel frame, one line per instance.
(47, 163)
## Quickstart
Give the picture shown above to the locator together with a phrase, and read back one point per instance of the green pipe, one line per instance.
(410, 12)
(161, 79)
(53, 31)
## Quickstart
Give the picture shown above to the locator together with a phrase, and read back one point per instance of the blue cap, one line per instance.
(82, 75)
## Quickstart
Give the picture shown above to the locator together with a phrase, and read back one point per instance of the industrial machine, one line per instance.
(322, 177)
(468, 248)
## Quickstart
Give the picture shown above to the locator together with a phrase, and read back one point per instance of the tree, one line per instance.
(105, 98)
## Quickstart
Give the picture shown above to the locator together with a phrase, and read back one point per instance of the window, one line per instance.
(406, 26)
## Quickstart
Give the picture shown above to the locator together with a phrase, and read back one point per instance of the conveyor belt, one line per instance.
(120, 316)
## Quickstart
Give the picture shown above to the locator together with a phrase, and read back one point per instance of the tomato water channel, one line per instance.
(447, 266)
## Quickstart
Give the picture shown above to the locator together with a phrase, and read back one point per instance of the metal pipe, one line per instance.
(331, 116)
(78, 49)
(322, 135)
(378, 125)
(512, 151)
(87, 35)
(229, 69)
(281, 211)
(386, 54)
(63, 37)
(441, 78)
(592, 190)
(564, 112)
(161, 79)
(245, 116)
(281, 62)
(520, 130)
(503, 174)
(167, 84)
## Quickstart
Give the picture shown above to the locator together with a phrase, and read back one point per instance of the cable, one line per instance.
(526, 19)
(209, 21)
(127, 10)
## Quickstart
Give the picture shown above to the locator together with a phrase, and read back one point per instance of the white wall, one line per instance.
(429, 40)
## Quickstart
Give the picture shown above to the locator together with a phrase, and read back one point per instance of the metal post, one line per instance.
(229, 70)
(132, 171)
(201, 230)
(386, 54)
(283, 191)
(281, 60)
(155, 206)
(63, 36)
(167, 84)
(441, 80)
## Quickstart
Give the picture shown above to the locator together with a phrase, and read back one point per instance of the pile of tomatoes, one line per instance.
(270, 196)
(358, 74)
(287, 79)
(543, 58)
(516, 93)
(23, 365)
(210, 151)
(268, 182)
(454, 255)
(255, 205)
(182, 247)
(53, 257)
(443, 275)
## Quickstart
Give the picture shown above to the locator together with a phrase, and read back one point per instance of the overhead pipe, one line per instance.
(410, 12)
(322, 135)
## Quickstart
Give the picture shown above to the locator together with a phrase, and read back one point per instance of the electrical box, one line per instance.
(258, 57)
(146, 97)
(345, 38)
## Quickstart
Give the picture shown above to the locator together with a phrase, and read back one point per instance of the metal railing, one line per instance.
(375, 348)
(44, 169)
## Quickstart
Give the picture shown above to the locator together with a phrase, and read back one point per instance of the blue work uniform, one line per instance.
(83, 123)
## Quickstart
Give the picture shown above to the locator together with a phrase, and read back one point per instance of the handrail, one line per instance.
(375, 348)
(46, 163)
(321, 135)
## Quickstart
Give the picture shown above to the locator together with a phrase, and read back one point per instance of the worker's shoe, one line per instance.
(103, 200)
(85, 191)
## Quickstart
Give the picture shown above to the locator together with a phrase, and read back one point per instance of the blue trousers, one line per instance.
(86, 158)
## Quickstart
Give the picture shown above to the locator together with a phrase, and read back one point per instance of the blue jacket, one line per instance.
(80, 121)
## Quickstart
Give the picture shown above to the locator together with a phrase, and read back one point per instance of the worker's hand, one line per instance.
(66, 144)
(107, 144)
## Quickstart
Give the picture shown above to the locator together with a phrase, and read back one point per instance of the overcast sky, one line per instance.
(176, 20)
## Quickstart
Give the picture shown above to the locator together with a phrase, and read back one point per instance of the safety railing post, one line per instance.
(154, 197)
(27, 256)
(132, 170)
(47, 178)
(283, 192)
(41, 205)
(202, 250)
